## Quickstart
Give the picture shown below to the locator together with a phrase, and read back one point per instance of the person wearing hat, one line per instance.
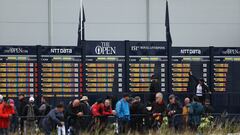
(30, 112)
(86, 108)
(173, 108)
(201, 89)
(6, 112)
(14, 118)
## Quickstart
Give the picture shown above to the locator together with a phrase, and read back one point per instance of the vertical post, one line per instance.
(147, 20)
(211, 74)
(50, 22)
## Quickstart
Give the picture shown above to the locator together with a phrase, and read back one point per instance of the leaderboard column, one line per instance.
(18, 71)
(61, 71)
(226, 67)
(187, 61)
(104, 66)
(226, 77)
(145, 60)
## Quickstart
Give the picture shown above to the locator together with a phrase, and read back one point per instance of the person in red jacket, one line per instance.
(97, 108)
(97, 113)
(6, 111)
(107, 108)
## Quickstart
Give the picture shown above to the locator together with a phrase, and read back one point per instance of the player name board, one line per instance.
(145, 60)
(104, 66)
(61, 71)
(226, 67)
(188, 65)
(18, 70)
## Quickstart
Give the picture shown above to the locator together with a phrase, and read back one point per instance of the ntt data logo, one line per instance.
(62, 50)
(190, 51)
(105, 49)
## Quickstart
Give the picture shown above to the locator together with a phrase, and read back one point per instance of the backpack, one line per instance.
(30, 113)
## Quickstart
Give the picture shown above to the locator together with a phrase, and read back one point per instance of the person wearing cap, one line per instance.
(123, 113)
(200, 87)
(30, 112)
(173, 108)
(86, 108)
(137, 112)
(14, 118)
(6, 112)
(85, 105)
(158, 110)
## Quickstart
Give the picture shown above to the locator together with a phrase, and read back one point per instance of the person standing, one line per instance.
(21, 105)
(185, 111)
(123, 113)
(30, 112)
(196, 110)
(86, 120)
(158, 110)
(54, 118)
(154, 87)
(201, 89)
(137, 112)
(173, 108)
(6, 112)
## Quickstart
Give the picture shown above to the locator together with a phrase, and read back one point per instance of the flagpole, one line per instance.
(50, 22)
(169, 46)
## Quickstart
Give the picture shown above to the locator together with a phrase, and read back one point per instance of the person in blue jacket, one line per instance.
(53, 118)
(123, 113)
(196, 110)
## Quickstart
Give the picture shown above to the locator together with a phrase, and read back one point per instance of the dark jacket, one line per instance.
(35, 109)
(71, 112)
(86, 108)
(137, 108)
(195, 111)
(159, 108)
(52, 119)
(154, 86)
(21, 106)
(173, 119)
(193, 83)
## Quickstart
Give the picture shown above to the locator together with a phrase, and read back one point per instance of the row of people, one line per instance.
(78, 115)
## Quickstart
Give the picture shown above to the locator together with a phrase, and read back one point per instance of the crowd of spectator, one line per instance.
(129, 114)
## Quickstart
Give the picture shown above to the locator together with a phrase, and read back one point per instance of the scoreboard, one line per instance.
(226, 67)
(186, 60)
(61, 71)
(104, 66)
(18, 71)
(146, 59)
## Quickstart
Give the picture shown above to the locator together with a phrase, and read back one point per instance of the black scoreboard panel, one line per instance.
(104, 66)
(18, 71)
(226, 67)
(186, 60)
(146, 59)
(226, 78)
(61, 71)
